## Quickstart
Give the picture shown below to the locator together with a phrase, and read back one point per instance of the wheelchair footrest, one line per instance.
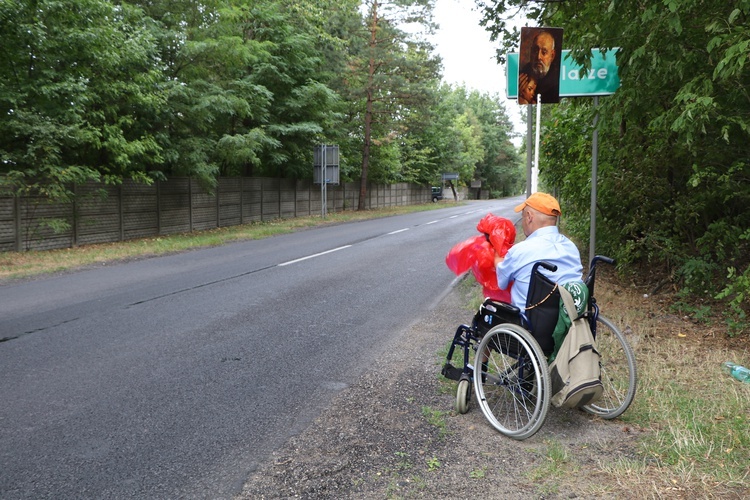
(451, 372)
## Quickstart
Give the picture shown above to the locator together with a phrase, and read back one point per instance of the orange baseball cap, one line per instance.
(545, 203)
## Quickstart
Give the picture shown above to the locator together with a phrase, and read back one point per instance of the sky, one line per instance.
(469, 56)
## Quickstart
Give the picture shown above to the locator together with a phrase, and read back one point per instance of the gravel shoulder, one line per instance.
(393, 433)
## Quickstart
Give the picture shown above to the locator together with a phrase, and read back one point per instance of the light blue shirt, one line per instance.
(545, 244)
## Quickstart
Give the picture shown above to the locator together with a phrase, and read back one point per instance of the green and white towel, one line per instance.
(580, 293)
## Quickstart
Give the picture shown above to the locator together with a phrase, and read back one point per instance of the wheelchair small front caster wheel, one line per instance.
(463, 394)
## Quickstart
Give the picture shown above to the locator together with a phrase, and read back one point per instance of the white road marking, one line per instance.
(313, 256)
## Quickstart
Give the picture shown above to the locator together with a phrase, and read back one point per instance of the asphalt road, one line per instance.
(175, 377)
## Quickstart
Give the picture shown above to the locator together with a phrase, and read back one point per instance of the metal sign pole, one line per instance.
(594, 174)
(535, 171)
(529, 160)
(323, 193)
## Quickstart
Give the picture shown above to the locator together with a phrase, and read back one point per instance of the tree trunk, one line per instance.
(365, 155)
(453, 189)
(368, 109)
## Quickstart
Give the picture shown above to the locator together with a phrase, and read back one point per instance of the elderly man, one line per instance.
(543, 242)
(542, 68)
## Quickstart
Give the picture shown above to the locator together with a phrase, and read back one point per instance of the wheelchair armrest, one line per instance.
(502, 308)
(492, 313)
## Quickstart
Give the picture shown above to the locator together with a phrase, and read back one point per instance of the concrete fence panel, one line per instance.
(103, 214)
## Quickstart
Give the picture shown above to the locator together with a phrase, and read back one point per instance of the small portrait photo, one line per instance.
(539, 60)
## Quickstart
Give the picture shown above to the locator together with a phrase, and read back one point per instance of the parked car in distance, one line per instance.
(437, 194)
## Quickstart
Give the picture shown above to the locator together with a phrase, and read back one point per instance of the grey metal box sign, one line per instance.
(328, 155)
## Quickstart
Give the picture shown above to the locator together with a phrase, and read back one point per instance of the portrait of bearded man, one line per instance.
(539, 53)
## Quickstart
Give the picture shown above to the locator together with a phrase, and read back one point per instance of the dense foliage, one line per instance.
(674, 161)
(110, 90)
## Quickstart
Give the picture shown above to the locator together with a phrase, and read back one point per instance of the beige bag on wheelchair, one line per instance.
(575, 374)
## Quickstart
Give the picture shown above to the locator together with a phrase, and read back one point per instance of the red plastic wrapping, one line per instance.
(502, 232)
(462, 255)
(478, 254)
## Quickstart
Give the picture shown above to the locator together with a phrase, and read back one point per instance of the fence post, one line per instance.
(158, 208)
(75, 216)
(120, 209)
(17, 208)
(242, 197)
(190, 203)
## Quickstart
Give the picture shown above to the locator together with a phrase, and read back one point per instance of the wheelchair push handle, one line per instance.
(547, 265)
(602, 258)
(591, 278)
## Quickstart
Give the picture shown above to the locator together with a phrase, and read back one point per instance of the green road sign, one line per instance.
(600, 79)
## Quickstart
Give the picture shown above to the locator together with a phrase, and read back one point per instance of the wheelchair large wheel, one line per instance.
(511, 381)
(618, 371)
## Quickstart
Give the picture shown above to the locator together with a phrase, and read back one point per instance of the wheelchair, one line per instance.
(509, 370)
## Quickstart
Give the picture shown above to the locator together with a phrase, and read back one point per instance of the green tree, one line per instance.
(246, 86)
(305, 109)
(388, 73)
(469, 133)
(673, 139)
(77, 89)
(500, 171)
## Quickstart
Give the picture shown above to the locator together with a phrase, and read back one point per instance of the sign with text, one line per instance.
(601, 79)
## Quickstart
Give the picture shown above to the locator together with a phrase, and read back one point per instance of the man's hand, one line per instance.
(498, 259)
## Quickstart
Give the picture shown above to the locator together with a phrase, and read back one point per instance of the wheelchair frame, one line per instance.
(513, 388)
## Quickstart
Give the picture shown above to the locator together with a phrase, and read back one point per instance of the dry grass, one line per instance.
(694, 416)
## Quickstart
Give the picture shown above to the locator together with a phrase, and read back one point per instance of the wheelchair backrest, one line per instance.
(542, 309)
